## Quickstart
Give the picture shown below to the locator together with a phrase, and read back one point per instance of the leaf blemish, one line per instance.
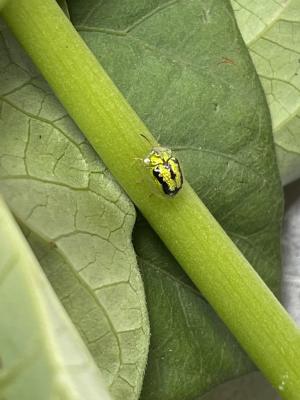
(226, 60)
(216, 107)
(205, 16)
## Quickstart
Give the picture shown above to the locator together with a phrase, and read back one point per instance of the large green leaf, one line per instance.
(42, 355)
(271, 29)
(248, 387)
(77, 220)
(64, 6)
(184, 68)
(2, 2)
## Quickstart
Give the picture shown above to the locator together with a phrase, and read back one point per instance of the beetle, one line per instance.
(165, 169)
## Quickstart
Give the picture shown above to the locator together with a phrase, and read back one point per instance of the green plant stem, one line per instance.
(200, 245)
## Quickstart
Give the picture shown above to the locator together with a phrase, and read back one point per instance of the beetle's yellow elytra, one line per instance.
(165, 169)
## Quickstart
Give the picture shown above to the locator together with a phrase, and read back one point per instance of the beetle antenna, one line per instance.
(145, 137)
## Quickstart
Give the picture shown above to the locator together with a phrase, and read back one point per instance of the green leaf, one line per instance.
(77, 220)
(271, 30)
(248, 387)
(2, 3)
(42, 355)
(184, 68)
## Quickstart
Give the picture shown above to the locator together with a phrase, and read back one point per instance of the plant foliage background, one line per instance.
(271, 30)
(185, 69)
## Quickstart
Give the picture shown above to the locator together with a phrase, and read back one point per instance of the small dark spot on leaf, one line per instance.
(40, 136)
(52, 244)
(216, 107)
(226, 60)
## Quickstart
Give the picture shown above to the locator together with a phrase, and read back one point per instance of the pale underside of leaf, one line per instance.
(77, 220)
(271, 29)
(183, 68)
(41, 354)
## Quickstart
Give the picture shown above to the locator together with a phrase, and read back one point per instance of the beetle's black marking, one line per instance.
(165, 186)
(173, 175)
(166, 189)
(171, 192)
(169, 167)
(156, 173)
(180, 172)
